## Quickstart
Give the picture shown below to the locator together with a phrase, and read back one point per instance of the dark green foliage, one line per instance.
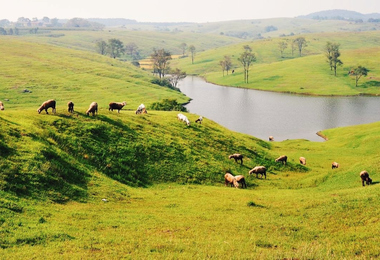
(168, 105)
(164, 83)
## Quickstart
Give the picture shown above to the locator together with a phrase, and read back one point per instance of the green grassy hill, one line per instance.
(121, 185)
(145, 40)
(49, 72)
(309, 74)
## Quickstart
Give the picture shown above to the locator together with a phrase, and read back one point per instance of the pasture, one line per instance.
(121, 185)
(308, 74)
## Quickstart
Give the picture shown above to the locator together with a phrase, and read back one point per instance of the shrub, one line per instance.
(168, 105)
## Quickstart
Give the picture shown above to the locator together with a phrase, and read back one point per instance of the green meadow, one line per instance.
(308, 74)
(127, 186)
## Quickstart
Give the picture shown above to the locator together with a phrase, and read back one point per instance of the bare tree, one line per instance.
(301, 44)
(226, 64)
(192, 51)
(160, 59)
(246, 58)
(282, 46)
(183, 47)
(101, 47)
(132, 50)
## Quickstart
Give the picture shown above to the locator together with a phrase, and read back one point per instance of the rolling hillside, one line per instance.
(121, 185)
(309, 74)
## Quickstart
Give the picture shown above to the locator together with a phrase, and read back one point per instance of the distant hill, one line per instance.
(339, 14)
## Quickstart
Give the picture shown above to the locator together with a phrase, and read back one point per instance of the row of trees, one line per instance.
(299, 43)
(115, 48)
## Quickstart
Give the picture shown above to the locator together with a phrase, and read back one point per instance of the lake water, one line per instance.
(284, 116)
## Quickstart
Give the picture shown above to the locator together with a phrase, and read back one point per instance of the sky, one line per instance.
(199, 11)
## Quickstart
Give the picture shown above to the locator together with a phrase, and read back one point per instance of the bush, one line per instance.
(168, 105)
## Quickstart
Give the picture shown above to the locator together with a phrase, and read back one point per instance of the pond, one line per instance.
(283, 116)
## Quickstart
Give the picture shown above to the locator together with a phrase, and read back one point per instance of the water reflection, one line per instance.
(284, 116)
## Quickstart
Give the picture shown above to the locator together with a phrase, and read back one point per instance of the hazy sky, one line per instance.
(178, 10)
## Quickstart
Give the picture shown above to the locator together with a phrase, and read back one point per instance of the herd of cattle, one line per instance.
(235, 181)
(93, 108)
(228, 177)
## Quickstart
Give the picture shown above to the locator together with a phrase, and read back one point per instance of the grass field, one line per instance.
(309, 74)
(121, 185)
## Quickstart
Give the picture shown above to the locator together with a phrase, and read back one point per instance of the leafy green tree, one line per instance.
(246, 59)
(183, 47)
(192, 51)
(282, 46)
(115, 48)
(101, 47)
(301, 43)
(160, 59)
(176, 76)
(358, 72)
(332, 54)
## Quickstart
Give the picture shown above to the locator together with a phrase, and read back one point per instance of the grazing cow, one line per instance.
(141, 109)
(1, 105)
(259, 170)
(282, 159)
(334, 165)
(46, 105)
(237, 157)
(303, 160)
(365, 178)
(92, 109)
(115, 105)
(241, 180)
(199, 120)
(183, 118)
(271, 138)
(230, 179)
(70, 107)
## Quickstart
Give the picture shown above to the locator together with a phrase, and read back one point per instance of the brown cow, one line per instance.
(92, 109)
(365, 178)
(334, 165)
(236, 156)
(282, 159)
(230, 179)
(70, 106)
(46, 105)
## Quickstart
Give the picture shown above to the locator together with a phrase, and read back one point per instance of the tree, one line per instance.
(115, 48)
(226, 64)
(160, 59)
(358, 72)
(132, 50)
(176, 76)
(333, 54)
(192, 51)
(183, 47)
(300, 42)
(246, 58)
(282, 46)
(101, 47)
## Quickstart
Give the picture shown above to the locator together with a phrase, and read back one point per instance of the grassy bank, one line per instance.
(309, 74)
